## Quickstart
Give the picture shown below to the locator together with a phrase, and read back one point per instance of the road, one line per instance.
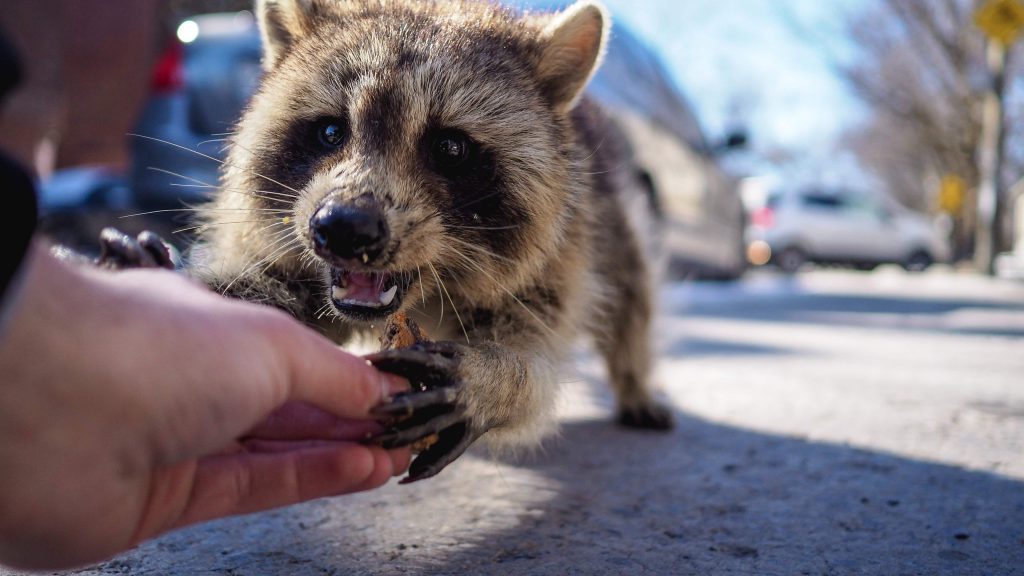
(831, 424)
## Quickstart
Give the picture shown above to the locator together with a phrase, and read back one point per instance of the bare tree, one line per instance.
(920, 67)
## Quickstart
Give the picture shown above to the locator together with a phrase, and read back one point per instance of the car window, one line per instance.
(222, 75)
(822, 202)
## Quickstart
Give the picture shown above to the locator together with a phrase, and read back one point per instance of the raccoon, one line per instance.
(439, 159)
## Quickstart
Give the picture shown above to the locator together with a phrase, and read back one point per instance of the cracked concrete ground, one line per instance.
(833, 424)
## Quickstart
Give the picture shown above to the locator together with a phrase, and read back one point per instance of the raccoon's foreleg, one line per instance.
(625, 345)
(623, 336)
(300, 298)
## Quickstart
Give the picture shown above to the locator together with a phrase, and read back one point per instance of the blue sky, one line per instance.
(745, 62)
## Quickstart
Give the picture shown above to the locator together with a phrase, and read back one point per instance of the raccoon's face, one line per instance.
(421, 149)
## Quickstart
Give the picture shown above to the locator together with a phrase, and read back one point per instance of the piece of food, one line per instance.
(422, 444)
(402, 332)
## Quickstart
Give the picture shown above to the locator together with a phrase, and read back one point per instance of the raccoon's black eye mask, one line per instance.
(451, 151)
(457, 157)
(328, 133)
(332, 133)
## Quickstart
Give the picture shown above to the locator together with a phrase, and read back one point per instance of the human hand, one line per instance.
(134, 403)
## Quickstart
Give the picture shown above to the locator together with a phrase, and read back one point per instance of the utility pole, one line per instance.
(991, 201)
(1002, 21)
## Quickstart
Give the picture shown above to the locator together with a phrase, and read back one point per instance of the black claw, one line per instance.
(441, 347)
(452, 443)
(396, 438)
(405, 405)
(417, 365)
(158, 250)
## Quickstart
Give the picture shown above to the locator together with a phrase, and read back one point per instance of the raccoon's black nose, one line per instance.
(349, 231)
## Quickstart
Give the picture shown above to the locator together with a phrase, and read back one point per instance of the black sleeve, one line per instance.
(18, 196)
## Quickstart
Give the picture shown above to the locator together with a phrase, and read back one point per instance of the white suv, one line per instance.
(841, 228)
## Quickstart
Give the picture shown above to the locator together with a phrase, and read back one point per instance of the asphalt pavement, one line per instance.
(834, 423)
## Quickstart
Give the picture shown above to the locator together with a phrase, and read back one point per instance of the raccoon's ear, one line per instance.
(282, 23)
(573, 46)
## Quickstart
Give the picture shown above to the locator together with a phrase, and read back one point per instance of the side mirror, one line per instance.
(733, 142)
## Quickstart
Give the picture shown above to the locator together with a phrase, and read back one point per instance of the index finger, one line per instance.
(324, 375)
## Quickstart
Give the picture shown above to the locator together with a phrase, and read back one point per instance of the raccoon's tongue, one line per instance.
(373, 290)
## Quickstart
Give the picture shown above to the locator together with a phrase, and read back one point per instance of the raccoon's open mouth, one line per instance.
(367, 295)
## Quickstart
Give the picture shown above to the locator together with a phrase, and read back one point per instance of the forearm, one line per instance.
(62, 435)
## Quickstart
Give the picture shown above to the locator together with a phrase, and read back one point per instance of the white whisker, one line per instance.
(202, 184)
(278, 249)
(469, 261)
(437, 279)
(217, 160)
(322, 311)
(482, 250)
(423, 294)
(182, 176)
(598, 147)
(212, 140)
(477, 201)
(264, 194)
(455, 227)
(216, 224)
(200, 210)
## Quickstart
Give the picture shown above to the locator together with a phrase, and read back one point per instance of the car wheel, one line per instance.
(791, 259)
(919, 261)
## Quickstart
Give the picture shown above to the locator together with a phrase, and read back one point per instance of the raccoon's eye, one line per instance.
(331, 133)
(451, 150)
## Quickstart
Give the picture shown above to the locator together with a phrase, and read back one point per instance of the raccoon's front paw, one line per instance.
(119, 251)
(649, 416)
(433, 412)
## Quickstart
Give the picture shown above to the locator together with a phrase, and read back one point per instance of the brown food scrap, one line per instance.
(422, 444)
(402, 332)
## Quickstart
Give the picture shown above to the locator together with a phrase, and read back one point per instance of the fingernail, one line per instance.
(394, 385)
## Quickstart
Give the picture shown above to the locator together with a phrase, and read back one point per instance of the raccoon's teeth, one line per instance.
(388, 296)
(338, 293)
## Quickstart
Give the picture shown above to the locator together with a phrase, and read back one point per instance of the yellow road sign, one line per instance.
(951, 194)
(1001, 20)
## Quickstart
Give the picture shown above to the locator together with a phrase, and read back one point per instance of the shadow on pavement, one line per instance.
(710, 499)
